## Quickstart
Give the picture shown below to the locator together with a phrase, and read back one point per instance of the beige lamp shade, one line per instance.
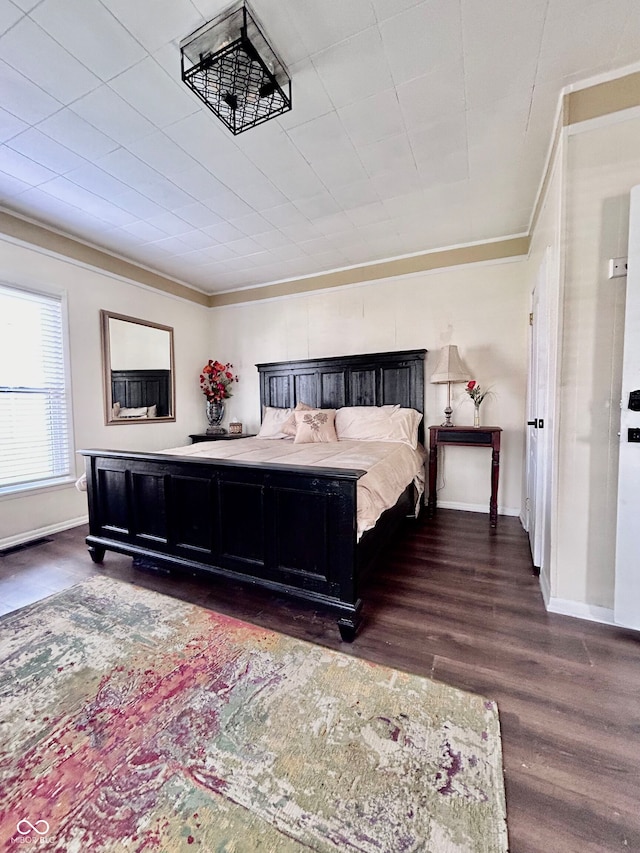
(450, 367)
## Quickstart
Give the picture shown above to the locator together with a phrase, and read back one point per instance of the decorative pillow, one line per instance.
(273, 422)
(315, 425)
(152, 411)
(289, 426)
(378, 423)
(115, 412)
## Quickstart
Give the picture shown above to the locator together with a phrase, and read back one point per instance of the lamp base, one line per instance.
(447, 414)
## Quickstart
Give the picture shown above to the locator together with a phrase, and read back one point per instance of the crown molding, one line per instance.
(68, 248)
(610, 96)
(426, 261)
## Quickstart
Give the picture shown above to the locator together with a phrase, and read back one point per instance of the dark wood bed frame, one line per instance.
(286, 528)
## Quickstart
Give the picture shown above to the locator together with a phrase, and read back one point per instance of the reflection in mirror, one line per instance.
(138, 370)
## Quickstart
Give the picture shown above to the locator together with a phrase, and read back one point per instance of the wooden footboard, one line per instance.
(285, 528)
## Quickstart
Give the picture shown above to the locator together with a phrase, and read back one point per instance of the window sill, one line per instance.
(25, 489)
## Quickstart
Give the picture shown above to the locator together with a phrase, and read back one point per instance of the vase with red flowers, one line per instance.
(477, 396)
(216, 379)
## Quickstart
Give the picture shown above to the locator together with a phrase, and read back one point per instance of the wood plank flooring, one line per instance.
(455, 601)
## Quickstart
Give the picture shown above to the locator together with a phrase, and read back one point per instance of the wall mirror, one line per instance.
(139, 379)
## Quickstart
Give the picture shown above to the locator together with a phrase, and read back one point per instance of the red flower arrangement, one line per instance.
(475, 392)
(215, 380)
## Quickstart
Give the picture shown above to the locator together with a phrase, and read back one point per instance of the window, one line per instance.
(34, 421)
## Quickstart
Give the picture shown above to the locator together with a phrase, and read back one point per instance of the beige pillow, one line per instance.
(273, 421)
(289, 426)
(152, 411)
(315, 425)
(378, 423)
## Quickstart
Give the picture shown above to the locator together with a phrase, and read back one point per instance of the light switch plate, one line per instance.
(617, 267)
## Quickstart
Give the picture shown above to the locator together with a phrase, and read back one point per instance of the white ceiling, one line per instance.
(417, 124)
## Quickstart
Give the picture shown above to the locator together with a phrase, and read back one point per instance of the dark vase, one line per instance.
(215, 414)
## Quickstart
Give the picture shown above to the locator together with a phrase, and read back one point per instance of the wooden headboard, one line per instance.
(134, 388)
(374, 379)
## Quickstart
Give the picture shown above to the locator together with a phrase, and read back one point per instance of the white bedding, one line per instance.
(390, 466)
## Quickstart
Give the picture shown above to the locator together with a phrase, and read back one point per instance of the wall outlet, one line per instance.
(617, 267)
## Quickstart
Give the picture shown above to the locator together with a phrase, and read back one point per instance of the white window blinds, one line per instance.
(34, 429)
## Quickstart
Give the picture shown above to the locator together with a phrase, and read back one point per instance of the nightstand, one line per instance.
(202, 436)
(466, 437)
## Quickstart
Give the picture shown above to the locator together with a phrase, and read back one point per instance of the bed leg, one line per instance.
(348, 628)
(96, 553)
(350, 620)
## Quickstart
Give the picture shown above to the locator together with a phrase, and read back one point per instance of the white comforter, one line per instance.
(390, 466)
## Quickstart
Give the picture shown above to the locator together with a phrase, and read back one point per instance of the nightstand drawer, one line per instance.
(202, 436)
(473, 435)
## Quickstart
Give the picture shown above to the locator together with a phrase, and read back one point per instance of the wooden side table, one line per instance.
(202, 436)
(467, 437)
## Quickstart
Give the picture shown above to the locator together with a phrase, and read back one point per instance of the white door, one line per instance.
(627, 585)
(532, 433)
(538, 412)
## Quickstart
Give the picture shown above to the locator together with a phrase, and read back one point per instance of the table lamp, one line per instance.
(449, 369)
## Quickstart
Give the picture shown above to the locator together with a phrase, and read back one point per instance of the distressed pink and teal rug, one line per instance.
(133, 721)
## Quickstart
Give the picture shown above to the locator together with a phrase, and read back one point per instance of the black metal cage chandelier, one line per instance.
(230, 65)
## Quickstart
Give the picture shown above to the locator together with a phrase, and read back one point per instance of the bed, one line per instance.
(285, 527)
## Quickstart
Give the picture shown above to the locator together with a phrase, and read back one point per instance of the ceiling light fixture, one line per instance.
(230, 65)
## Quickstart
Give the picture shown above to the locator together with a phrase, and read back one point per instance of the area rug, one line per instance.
(133, 721)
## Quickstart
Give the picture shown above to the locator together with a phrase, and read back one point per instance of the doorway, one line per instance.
(627, 582)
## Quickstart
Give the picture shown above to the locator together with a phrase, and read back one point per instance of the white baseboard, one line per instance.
(576, 609)
(502, 510)
(545, 588)
(41, 532)
(580, 610)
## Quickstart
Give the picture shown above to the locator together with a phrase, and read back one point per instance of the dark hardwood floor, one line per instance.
(455, 601)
